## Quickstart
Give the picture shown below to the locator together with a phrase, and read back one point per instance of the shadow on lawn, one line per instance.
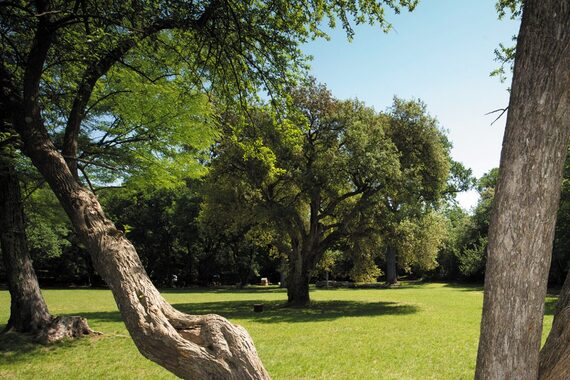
(466, 287)
(229, 289)
(275, 312)
(21, 347)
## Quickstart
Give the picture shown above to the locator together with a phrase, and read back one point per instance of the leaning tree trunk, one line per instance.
(528, 191)
(28, 310)
(391, 272)
(190, 346)
(298, 280)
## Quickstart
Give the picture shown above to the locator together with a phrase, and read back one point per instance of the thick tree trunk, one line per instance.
(198, 347)
(28, 310)
(526, 201)
(391, 272)
(297, 281)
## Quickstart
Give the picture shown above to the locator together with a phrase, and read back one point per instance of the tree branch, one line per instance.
(90, 162)
(82, 169)
(100, 67)
(106, 96)
(334, 203)
(502, 112)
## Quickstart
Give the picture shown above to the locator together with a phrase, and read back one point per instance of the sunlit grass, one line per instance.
(417, 331)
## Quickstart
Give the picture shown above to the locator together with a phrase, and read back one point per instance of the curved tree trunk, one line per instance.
(199, 347)
(28, 310)
(528, 191)
(391, 272)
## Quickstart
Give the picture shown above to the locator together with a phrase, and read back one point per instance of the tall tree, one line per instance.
(526, 198)
(314, 174)
(59, 50)
(28, 309)
(425, 166)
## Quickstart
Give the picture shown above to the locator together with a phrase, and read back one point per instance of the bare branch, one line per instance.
(90, 162)
(84, 173)
(502, 112)
(106, 96)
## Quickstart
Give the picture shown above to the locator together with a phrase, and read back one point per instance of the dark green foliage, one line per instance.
(47, 227)
(175, 249)
(306, 181)
(162, 225)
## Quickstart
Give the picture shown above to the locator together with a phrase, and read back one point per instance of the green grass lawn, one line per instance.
(416, 331)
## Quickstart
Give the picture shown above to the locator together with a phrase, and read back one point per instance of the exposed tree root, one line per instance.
(61, 328)
(56, 330)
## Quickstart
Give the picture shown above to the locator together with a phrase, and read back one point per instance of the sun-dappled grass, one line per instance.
(416, 331)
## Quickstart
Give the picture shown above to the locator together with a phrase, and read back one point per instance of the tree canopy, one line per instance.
(330, 174)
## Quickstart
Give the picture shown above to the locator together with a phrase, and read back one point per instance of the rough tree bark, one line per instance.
(28, 310)
(307, 250)
(391, 273)
(528, 191)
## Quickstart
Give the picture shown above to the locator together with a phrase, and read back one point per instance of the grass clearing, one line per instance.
(416, 331)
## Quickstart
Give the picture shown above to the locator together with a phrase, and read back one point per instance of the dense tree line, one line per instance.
(227, 228)
(215, 246)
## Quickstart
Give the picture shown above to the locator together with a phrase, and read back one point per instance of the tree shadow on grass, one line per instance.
(16, 347)
(225, 290)
(466, 287)
(276, 312)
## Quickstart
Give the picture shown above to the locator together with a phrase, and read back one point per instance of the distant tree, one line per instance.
(148, 218)
(425, 164)
(419, 241)
(314, 175)
(472, 251)
(363, 252)
(227, 219)
(457, 222)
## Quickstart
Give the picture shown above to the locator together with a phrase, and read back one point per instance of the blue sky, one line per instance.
(441, 53)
